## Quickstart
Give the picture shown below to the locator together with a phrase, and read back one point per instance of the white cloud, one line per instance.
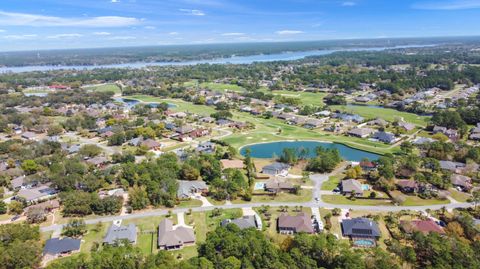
(25, 19)
(289, 32)
(173, 33)
(64, 36)
(2, 31)
(233, 34)
(20, 37)
(115, 1)
(193, 12)
(150, 27)
(349, 4)
(447, 5)
(101, 33)
(122, 38)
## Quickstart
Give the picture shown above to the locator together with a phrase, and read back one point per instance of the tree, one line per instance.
(75, 228)
(36, 215)
(29, 166)
(189, 172)
(138, 198)
(90, 150)
(475, 199)
(3, 207)
(20, 246)
(15, 208)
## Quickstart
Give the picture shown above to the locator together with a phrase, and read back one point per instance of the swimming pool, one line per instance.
(365, 187)
(259, 186)
(364, 243)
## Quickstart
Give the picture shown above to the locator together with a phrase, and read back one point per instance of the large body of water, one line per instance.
(268, 150)
(286, 56)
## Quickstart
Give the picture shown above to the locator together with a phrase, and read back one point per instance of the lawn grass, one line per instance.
(304, 195)
(306, 98)
(190, 203)
(104, 88)
(204, 222)
(93, 236)
(342, 200)
(387, 114)
(221, 87)
(332, 182)
(459, 196)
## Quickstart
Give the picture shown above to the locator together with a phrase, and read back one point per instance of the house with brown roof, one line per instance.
(300, 223)
(276, 185)
(233, 164)
(407, 186)
(461, 182)
(361, 132)
(422, 226)
(151, 144)
(350, 186)
(171, 238)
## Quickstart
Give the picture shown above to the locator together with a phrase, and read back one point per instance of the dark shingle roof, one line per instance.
(55, 246)
(360, 227)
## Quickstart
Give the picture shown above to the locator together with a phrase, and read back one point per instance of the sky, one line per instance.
(64, 24)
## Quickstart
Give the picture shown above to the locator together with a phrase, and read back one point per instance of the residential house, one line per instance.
(362, 231)
(384, 137)
(151, 144)
(117, 234)
(423, 141)
(170, 238)
(187, 188)
(56, 247)
(350, 186)
(244, 222)
(207, 120)
(406, 126)
(461, 182)
(206, 147)
(35, 194)
(295, 224)
(422, 226)
(276, 169)
(367, 165)
(454, 167)
(378, 122)
(186, 129)
(407, 186)
(313, 123)
(361, 132)
(29, 136)
(98, 161)
(18, 182)
(276, 185)
(232, 164)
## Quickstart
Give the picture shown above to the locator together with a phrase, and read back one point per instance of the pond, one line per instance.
(268, 150)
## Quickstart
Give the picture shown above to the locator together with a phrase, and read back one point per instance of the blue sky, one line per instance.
(46, 24)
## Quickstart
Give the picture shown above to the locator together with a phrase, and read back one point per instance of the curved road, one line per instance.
(318, 179)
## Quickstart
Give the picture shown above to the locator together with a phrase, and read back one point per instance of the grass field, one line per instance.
(267, 129)
(342, 200)
(459, 196)
(384, 113)
(105, 88)
(332, 182)
(412, 200)
(307, 98)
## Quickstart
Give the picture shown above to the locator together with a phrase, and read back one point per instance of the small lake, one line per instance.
(268, 150)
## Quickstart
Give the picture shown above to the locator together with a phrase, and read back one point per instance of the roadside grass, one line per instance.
(413, 200)
(459, 196)
(190, 203)
(215, 202)
(305, 195)
(384, 113)
(342, 200)
(332, 182)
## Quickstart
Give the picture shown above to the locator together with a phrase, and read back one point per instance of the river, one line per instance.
(285, 56)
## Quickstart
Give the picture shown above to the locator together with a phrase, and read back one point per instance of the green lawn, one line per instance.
(413, 200)
(221, 87)
(190, 203)
(93, 236)
(204, 222)
(105, 88)
(342, 200)
(459, 196)
(306, 98)
(387, 114)
(332, 182)
(305, 195)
